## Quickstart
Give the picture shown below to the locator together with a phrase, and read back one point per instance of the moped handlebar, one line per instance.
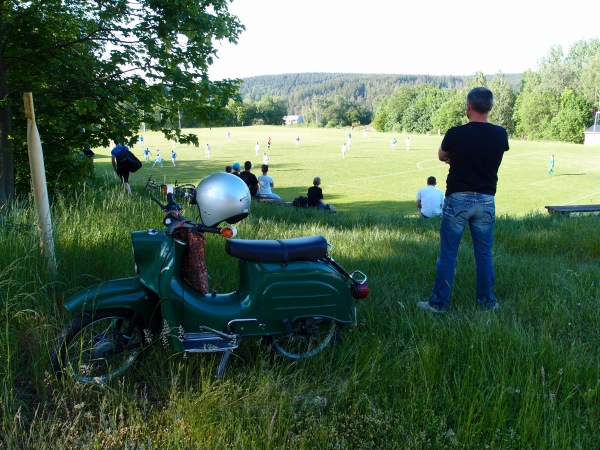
(174, 221)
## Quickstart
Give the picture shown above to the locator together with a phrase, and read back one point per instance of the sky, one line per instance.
(431, 37)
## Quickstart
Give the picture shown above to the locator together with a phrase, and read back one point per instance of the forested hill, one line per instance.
(297, 89)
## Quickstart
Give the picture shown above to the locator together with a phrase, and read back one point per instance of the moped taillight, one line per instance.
(359, 290)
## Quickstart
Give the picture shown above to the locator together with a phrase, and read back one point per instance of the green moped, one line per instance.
(291, 292)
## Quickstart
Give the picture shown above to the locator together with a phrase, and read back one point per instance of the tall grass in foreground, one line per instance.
(527, 375)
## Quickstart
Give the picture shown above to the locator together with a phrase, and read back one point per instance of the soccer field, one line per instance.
(372, 176)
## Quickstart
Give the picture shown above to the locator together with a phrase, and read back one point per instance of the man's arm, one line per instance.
(114, 162)
(444, 156)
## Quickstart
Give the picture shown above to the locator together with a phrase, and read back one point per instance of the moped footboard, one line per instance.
(122, 293)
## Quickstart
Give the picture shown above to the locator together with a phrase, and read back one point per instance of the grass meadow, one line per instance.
(525, 376)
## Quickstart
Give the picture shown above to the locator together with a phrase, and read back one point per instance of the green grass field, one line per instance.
(372, 176)
(524, 376)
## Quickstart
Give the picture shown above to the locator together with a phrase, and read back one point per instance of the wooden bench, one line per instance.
(274, 201)
(573, 209)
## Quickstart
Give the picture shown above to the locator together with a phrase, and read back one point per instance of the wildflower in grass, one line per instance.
(148, 337)
(164, 334)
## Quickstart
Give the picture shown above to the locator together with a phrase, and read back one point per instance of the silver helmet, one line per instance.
(222, 197)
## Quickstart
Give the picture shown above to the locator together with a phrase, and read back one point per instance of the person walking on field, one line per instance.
(474, 152)
(407, 143)
(394, 142)
(147, 154)
(551, 165)
(207, 151)
(173, 157)
(344, 150)
(257, 149)
(430, 200)
(118, 157)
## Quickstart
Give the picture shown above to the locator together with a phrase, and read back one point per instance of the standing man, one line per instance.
(147, 154)
(207, 151)
(344, 150)
(430, 200)
(118, 157)
(257, 149)
(173, 157)
(474, 152)
(407, 143)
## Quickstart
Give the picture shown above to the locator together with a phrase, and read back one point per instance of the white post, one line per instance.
(40, 191)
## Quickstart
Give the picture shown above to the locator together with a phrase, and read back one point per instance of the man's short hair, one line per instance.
(264, 168)
(247, 165)
(481, 99)
(431, 181)
(316, 181)
(228, 169)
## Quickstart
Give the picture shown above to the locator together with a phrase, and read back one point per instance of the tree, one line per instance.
(572, 118)
(477, 80)
(98, 69)
(504, 103)
(418, 116)
(534, 108)
(451, 113)
(590, 81)
(271, 111)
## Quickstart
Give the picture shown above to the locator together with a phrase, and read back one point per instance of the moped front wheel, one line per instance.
(96, 347)
(310, 335)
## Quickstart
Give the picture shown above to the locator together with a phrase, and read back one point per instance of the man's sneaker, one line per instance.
(427, 307)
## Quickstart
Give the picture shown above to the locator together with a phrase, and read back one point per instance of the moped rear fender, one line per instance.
(273, 292)
(122, 293)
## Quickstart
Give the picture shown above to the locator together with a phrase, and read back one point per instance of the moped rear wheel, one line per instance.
(310, 336)
(96, 347)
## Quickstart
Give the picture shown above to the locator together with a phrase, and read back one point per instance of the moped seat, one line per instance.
(310, 248)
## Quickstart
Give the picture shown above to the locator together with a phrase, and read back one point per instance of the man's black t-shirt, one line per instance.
(251, 181)
(476, 150)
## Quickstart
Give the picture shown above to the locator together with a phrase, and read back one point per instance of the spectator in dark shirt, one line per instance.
(315, 195)
(249, 178)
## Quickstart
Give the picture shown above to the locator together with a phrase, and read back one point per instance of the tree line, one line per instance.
(556, 102)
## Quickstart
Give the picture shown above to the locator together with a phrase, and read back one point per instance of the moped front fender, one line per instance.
(122, 293)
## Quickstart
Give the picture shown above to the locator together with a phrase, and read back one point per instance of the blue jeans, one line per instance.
(479, 212)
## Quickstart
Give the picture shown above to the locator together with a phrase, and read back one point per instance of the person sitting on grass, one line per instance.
(265, 184)
(315, 195)
(249, 178)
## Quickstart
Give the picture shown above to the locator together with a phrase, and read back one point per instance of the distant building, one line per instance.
(293, 120)
(592, 134)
